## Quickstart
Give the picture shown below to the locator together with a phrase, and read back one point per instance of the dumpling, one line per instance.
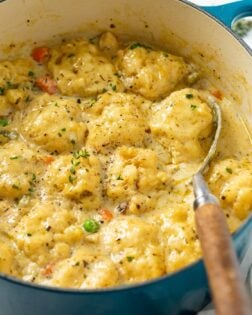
(135, 248)
(133, 176)
(151, 73)
(231, 181)
(76, 176)
(15, 83)
(17, 165)
(180, 122)
(120, 120)
(80, 68)
(54, 124)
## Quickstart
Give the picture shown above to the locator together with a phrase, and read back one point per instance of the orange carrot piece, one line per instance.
(47, 159)
(106, 214)
(217, 94)
(40, 54)
(48, 270)
(46, 84)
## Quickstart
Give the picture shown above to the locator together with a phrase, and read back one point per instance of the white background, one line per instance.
(211, 2)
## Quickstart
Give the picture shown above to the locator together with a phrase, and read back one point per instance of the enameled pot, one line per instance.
(179, 26)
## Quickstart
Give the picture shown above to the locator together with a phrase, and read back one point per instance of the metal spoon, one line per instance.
(201, 191)
(229, 293)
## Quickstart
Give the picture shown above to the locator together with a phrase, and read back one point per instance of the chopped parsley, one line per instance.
(94, 39)
(4, 122)
(229, 170)
(15, 187)
(10, 85)
(32, 183)
(75, 162)
(135, 45)
(104, 90)
(193, 107)
(27, 99)
(189, 96)
(71, 179)
(119, 177)
(138, 45)
(113, 86)
(130, 258)
(92, 101)
(81, 153)
(31, 189)
(15, 157)
(73, 170)
(31, 73)
(29, 234)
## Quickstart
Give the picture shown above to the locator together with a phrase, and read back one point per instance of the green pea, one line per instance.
(4, 122)
(91, 226)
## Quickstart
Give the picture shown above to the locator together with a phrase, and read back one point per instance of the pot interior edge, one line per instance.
(173, 24)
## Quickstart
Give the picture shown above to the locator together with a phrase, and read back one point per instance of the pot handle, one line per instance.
(226, 13)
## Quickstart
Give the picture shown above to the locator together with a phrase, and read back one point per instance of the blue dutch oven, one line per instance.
(181, 293)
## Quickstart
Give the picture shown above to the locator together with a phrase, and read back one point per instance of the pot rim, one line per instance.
(154, 281)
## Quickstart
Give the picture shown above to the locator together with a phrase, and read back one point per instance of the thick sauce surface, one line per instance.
(98, 143)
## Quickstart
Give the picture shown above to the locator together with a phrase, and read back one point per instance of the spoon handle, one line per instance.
(229, 293)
